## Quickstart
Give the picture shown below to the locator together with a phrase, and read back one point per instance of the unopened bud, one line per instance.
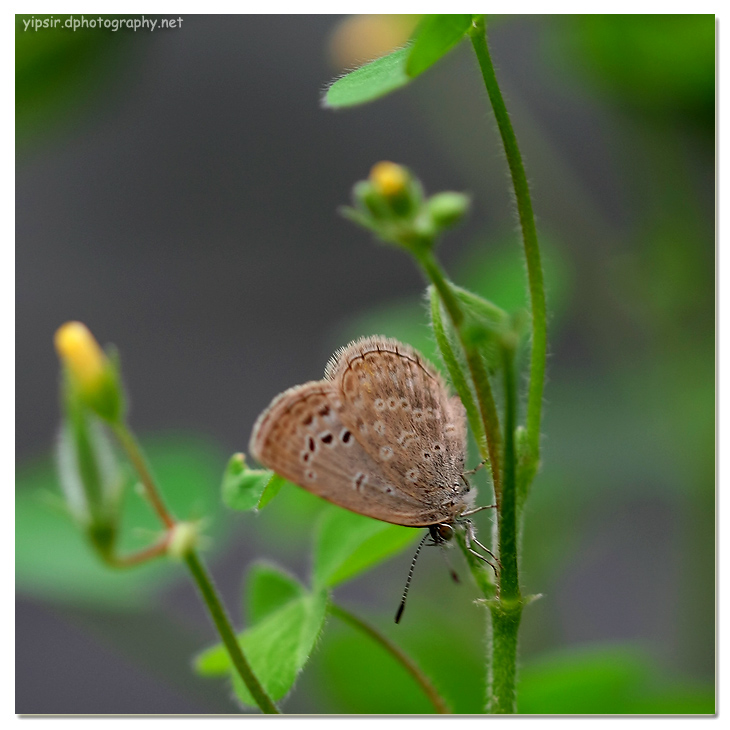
(389, 179)
(448, 208)
(80, 352)
(91, 374)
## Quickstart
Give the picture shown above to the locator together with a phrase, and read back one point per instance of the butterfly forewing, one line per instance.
(303, 437)
(379, 436)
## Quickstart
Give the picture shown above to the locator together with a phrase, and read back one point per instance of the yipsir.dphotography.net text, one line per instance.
(74, 23)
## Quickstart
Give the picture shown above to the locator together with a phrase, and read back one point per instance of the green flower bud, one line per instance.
(448, 208)
(370, 200)
(90, 475)
(399, 192)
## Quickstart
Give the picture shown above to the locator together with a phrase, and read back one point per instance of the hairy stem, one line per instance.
(458, 377)
(529, 236)
(198, 570)
(506, 608)
(505, 628)
(509, 581)
(405, 661)
(477, 369)
(134, 452)
(223, 625)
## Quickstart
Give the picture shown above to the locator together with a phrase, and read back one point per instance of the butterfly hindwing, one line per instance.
(303, 437)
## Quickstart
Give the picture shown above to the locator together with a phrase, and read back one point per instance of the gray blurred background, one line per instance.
(180, 197)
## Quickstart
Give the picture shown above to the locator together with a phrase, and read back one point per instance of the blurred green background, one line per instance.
(177, 191)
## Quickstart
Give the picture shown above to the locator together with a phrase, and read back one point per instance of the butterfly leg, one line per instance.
(471, 539)
(477, 467)
(478, 509)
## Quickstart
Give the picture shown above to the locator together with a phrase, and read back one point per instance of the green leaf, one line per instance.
(245, 489)
(53, 560)
(277, 647)
(60, 73)
(214, 662)
(349, 544)
(450, 657)
(435, 37)
(484, 324)
(271, 490)
(268, 589)
(662, 65)
(607, 680)
(369, 82)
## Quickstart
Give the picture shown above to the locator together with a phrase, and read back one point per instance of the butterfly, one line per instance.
(379, 435)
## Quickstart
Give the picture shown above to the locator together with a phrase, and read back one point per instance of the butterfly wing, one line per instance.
(399, 406)
(303, 437)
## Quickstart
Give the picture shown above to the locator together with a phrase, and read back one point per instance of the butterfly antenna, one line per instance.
(402, 606)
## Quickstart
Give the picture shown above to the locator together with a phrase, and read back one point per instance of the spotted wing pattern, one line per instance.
(399, 407)
(303, 437)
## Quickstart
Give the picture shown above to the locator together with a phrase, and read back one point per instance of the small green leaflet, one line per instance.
(246, 489)
(348, 544)
(369, 82)
(434, 38)
(287, 620)
(269, 588)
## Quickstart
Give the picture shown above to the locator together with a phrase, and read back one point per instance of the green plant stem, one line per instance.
(157, 550)
(405, 661)
(197, 569)
(505, 628)
(506, 609)
(134, 452)
(223, 625)
(477, 369)
(529, 236)
(457, 375)
(509, 582)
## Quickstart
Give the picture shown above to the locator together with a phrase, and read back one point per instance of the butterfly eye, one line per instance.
(445, 532)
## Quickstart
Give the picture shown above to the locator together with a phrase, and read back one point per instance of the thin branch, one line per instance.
(405, 661)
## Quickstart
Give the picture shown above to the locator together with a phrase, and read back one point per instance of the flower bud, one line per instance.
(91, 375)
(90, 476)
(399, 193)
(448, 208)
(81, 353)
(371, 201)
(389, 179)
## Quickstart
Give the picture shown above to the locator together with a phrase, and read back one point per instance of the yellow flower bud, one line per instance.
(81, 354)
(389, 179)
(92, 376)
